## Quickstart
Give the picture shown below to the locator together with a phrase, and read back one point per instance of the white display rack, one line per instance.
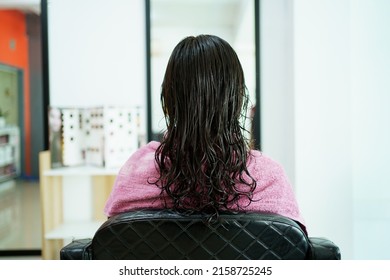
(101, 136)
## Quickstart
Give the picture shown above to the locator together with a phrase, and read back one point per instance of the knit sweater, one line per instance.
(134, 188)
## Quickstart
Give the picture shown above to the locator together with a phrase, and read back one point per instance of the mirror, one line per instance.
(173, 20)
(21, 127)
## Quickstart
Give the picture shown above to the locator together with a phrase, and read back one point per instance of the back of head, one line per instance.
(203, 153)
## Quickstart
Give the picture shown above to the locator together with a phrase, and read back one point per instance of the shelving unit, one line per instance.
(7, 209)
(72, 202)
(9, 169)
(9, 153)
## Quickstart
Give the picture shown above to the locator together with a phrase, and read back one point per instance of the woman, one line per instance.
(203, 163)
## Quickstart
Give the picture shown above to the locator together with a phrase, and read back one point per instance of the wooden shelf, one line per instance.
(81, 170)
(72, 202)
(74, 230)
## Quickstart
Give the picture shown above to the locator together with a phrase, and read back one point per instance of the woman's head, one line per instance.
(203, 153)
(203, 87)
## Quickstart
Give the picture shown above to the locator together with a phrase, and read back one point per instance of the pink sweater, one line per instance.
(273, 193)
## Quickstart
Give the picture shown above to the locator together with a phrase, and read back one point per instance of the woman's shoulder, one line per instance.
(142, 160)
(149, 148)
(256, 156)
(263, 165)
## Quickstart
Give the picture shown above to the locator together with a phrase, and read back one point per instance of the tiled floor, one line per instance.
(20, 216)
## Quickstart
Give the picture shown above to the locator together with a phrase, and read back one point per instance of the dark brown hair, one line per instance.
(203, 153)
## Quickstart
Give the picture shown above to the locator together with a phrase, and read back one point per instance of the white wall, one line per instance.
(97, 53)
(277, 92)
(305, 108)
(322, 118)
(370, 91)
(325, 100)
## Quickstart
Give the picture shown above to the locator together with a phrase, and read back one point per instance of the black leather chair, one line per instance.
(148, 234)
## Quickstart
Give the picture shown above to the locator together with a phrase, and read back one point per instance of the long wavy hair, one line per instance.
(203, 153)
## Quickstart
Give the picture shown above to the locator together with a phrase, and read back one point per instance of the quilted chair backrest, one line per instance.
(148, 235)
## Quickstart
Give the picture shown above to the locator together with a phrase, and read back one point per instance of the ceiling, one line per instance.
(178, 16)
(166, 12)
(27, 6)
(190, 13)
(172, 20)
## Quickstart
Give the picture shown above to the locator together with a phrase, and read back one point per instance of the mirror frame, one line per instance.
(45, 70)
(257, 116)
